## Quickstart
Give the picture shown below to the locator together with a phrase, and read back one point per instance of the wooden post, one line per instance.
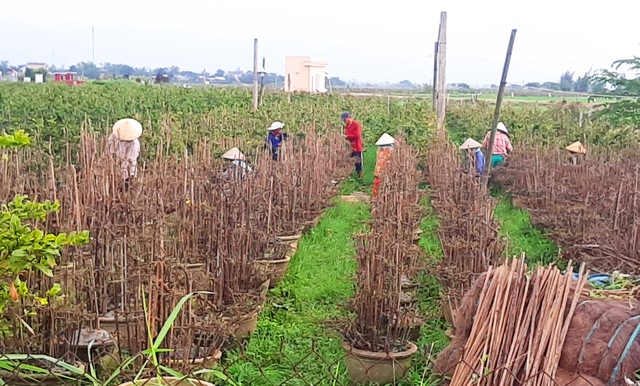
(441, 95)
(255, 74)
(435, 75)
(496, 114)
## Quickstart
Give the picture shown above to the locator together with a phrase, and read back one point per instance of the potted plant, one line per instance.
(276, 261)
(377, 343)
(151, 356)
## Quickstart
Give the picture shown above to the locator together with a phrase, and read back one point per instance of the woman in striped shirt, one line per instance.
(501, 145)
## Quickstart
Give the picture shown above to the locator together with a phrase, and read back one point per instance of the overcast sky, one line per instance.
(362, 40)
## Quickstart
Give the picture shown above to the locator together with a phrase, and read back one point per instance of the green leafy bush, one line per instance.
(25, 249)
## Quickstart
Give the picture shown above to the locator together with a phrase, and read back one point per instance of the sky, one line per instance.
(363, 40)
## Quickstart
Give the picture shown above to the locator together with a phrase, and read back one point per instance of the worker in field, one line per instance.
(576, 149)
(501, 146)
(275, 138)
(123, 144)
(237, 167)
(385, 147)
(474, 155)
(353, 134)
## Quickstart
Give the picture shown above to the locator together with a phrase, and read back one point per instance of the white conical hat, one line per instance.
(385, 139)
(470, 143)
(233, 154)
(502, 127)
(127, 129)
(275, 126)
(577, 147)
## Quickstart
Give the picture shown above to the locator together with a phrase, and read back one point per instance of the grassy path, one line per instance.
(521, 235)
(297, 337)
(316, 290)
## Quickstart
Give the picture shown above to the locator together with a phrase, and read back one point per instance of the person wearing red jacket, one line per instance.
(353, 134)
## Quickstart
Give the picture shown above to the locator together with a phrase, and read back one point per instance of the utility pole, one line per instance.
(441, 95)
(255, 74)
(496, 113)
(435, 75)
(93, 46)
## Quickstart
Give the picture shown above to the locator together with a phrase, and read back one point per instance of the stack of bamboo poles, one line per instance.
(519, 326)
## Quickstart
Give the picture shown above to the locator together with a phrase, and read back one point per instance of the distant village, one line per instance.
(302, 74)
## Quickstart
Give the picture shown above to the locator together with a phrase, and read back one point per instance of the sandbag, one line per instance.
(566, 378)
(603, 340)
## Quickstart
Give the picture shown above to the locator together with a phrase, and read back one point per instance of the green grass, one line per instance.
(354, 184)
(521, 235)
(297, 315)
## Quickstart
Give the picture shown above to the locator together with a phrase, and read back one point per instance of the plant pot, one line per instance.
(264, 287)
(416, 235)
(275, 269)
(517, 203)
(198, 363)
(408, 298)
(116, 328)
(101, 342)
(380, 368)
(291, 240)
(168, 381)
(246, 325)
(55, 378)
(415, 328)
(407, 284)
(309, 225)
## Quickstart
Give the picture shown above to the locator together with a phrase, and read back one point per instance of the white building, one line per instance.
(305, 74)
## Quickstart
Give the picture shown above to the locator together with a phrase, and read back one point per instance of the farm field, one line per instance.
(275, 279)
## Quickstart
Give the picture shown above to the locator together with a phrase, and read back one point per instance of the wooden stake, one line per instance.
(255, 74)
(441, 97)
(435, 75)
(496, 114)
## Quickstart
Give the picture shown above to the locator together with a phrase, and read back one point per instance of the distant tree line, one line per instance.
(585, 83)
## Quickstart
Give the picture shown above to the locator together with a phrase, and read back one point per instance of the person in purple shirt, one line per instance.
(275, 138)
(473, 148)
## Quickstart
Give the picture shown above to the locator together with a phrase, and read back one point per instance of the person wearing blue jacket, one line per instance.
(275, 138)
(473, 148)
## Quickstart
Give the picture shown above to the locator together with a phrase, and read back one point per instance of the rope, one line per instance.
(630, 342)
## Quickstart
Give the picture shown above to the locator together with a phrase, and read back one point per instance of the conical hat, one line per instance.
(470, 143)
(502, 127)
(233, 154)
(577, 147)
(275, 126)
(127, 129)
(385, 139)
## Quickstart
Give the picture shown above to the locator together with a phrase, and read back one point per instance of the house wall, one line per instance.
(296, 75)
(304, 73)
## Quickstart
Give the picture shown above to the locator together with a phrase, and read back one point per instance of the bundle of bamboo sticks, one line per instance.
(519, 327)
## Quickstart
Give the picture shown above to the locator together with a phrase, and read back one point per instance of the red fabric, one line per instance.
(376, 184)
(353, 132)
